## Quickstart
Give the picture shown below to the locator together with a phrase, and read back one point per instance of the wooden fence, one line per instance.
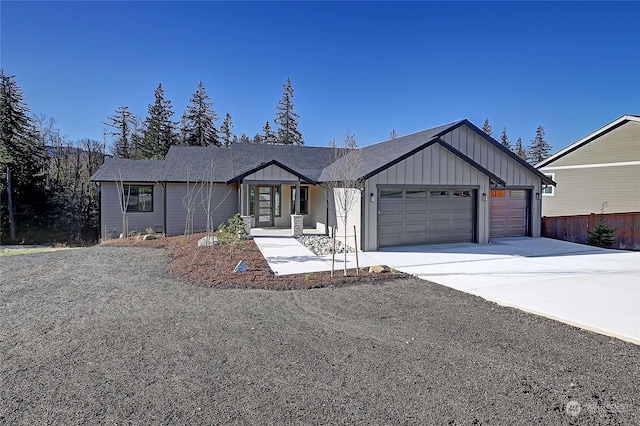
(576, 228)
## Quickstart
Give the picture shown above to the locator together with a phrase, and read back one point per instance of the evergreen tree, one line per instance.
(198, 121)
(123, 123)
(22, 157)
(287, 118)
(393, 134)
(258, 138)
(520, 150)
(267, 133)
(244, 138)
(487, 128)
(504, 139)
(226, 135)
(540, 148)
(159, 132)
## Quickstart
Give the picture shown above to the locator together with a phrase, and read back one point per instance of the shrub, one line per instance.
(602, 234)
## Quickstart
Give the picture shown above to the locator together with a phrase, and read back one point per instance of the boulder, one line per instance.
(208, 241)
(377, 269)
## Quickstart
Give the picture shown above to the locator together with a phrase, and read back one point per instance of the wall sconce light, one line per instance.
(537, 196)
(372, 197)
(484, 196)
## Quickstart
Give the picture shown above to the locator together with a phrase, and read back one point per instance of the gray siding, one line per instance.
(111, 215)
(431, 167)
(502, 165)
(271, 173)
(606, 169)
(224, 204)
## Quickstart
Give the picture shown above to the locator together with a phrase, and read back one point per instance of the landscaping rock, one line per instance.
(377, 269)
(208, 241)
(322, 244)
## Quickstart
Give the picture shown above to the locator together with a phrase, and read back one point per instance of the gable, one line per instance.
(619, 145)
(492, 156)
(272, 172)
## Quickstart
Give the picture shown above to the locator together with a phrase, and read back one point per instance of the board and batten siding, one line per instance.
(502, 165)
(272, 173)
(606, 169)
(434, 166)
(224, 204)
(111, 214)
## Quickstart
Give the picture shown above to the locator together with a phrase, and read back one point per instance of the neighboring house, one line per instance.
(601, 169)
(451, 183)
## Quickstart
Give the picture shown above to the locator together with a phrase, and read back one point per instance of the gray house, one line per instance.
(451, 183)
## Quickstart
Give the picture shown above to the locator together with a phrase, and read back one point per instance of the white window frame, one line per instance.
(551, 188)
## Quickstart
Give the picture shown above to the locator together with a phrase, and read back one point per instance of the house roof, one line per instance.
(589, 138)
(309, 163)
(117, 169)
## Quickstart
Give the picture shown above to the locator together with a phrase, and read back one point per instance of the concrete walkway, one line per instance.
(588, 287)
(287, 256)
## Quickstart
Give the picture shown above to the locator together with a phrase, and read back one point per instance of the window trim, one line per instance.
(552, 189)
(276, 199)
(304, 190)
(126, 190)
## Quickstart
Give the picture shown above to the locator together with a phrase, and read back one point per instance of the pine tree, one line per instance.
(267, 133)
(22, 157)
(159, 133)
(226, 135)
(504, 139)
(244, 138)
(257, 138)
(198, 120)
(540, 148)
(487, 128)
(520, 150)
(123, 123)
(393, 134)
(287, 118)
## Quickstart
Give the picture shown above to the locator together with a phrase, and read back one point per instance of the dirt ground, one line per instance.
(104, 335)
(214, 266)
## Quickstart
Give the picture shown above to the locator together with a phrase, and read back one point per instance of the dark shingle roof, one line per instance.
(383, 154)
(312, 163)
(115, 169)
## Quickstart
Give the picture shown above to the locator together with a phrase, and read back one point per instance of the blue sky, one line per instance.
(368, 67)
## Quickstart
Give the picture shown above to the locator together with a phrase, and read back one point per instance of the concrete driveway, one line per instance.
(589, 287)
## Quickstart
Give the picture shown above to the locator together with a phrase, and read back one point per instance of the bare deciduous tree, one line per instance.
(124, 202)
(344, 182)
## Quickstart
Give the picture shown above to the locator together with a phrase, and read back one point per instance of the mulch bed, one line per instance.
(213, 266)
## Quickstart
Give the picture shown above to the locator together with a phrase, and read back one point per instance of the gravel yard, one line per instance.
(104, 335)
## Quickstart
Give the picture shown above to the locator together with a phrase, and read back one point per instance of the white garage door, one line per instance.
(509, 213)
(425, 216)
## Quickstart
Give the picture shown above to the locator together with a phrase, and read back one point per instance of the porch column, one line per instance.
(297, 207)
(244, 199)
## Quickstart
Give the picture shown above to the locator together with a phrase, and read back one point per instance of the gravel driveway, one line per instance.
(104, 336)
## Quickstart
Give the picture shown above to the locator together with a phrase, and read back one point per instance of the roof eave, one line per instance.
(240, 177)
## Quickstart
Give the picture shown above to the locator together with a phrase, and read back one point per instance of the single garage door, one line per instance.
(509, 212)
(425, 216)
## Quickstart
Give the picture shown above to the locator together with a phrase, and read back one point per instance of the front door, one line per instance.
(265, 206)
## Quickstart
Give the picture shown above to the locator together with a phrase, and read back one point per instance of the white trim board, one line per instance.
(590, 166)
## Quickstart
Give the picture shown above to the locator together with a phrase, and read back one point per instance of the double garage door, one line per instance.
(509, 212)
(425, 216)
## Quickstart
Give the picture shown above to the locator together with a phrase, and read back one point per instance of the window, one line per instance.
(276, 200)
(391, 194)
(549, 190)
(416, 194)
(138, 198)
(497, 193)
(434, 194)
(304, 200)
(462, 194)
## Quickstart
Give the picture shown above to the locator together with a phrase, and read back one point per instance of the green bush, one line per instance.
(602, 234)
(235, 226)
